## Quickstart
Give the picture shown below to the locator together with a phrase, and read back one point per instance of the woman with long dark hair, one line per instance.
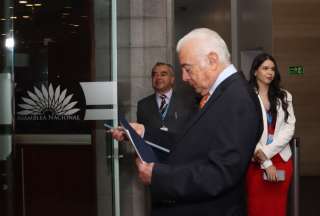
(269, 173)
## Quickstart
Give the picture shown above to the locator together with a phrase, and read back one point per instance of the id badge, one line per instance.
(164, 128)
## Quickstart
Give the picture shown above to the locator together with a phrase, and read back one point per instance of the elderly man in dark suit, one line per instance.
(204, 173)
(164, 109)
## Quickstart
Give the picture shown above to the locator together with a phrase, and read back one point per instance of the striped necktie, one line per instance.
(163, 105)
(203, 100)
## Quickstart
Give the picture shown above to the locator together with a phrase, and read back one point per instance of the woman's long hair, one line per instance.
(275, 92)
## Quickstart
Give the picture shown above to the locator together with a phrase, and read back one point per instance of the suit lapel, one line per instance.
(264, 134)
(171, 107)
(280, 116)
(154, 112)
(215, 96)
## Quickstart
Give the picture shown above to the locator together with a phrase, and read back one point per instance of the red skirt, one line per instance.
(267, 198)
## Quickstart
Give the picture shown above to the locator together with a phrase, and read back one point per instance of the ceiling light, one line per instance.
(38, 5)
(9, 43)
(74, 25)
(23, 2)
(26, 17)
(29, 5)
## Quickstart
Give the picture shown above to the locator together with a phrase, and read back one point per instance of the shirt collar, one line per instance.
(228, 71)
(168, 94)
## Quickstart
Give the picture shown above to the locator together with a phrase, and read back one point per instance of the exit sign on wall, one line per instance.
(295, 70)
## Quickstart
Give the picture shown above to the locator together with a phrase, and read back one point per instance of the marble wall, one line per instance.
(145, 31)
(145, 37)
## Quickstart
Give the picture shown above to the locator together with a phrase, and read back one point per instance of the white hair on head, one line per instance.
(209, 41)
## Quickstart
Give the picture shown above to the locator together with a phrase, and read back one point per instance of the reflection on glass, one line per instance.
(6, 126)
(53, 54)
(58, 45)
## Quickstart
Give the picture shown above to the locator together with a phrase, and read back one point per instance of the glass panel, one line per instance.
(63, 94)
(6, 150)
(53, 54)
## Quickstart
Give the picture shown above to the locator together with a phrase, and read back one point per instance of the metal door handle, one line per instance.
(112, 156)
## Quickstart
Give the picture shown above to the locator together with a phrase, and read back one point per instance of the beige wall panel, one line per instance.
(292, 13)
(296, 46)
(296, 41)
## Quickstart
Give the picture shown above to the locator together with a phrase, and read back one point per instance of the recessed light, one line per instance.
(9, 43)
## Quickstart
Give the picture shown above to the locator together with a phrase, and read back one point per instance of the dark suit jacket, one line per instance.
(204, 174)
(178, 114)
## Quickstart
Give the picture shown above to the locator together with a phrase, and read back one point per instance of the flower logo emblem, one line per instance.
(48, 101)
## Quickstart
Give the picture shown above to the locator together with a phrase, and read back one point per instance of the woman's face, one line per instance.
(265, 73)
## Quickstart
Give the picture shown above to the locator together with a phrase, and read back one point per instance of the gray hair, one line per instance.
(171, 70)
(213, 43)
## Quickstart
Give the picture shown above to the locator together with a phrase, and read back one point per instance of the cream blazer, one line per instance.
(283, 133)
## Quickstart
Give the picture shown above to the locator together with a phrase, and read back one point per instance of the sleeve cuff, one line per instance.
(266, 164)
(142, 135)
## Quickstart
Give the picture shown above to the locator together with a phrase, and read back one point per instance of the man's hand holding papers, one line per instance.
(119, 134)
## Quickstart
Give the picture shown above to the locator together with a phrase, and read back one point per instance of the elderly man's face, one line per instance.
(196, 71)
(162, 79)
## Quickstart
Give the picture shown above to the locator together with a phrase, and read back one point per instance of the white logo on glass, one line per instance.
(48, 101)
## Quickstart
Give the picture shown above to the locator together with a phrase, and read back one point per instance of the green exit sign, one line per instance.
(295, 70)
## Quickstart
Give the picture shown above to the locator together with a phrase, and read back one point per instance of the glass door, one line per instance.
(62, 55)
(6, 117)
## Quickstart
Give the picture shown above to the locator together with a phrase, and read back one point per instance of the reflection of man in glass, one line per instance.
(163, 109)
